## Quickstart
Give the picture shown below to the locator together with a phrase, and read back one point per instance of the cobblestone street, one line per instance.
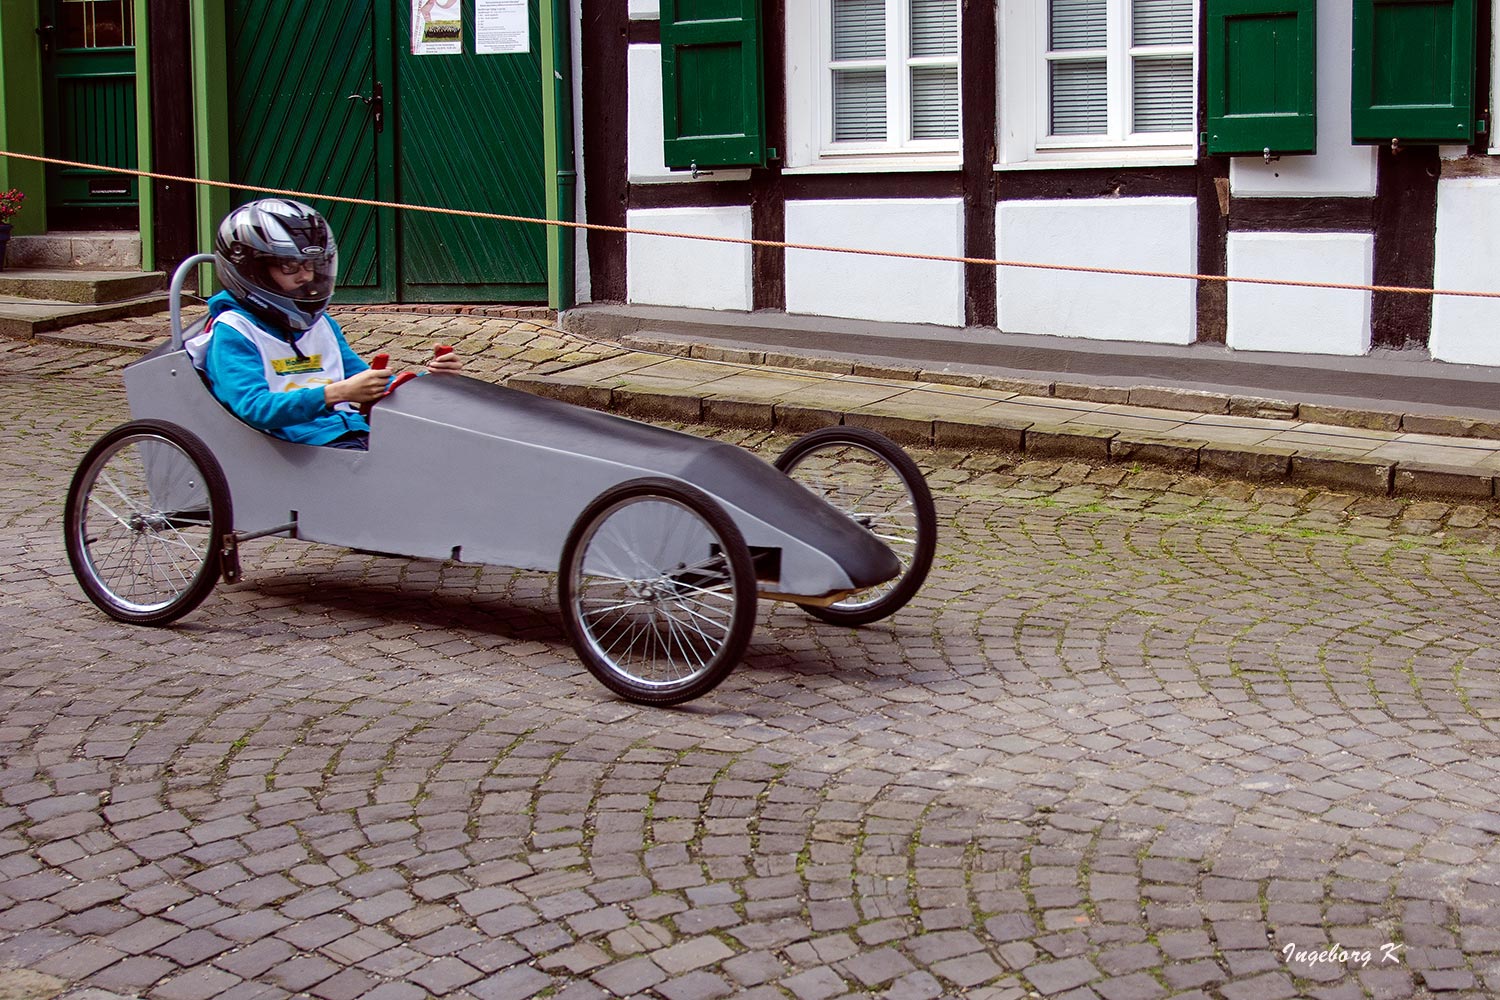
(1142, 735)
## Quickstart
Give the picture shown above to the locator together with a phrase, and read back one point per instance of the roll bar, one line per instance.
(174, 294)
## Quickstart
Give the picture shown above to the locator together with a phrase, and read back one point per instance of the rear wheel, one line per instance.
(658, 591)
(867, 477)
(145, 513)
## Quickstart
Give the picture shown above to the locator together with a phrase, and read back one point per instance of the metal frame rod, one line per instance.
(174, 295)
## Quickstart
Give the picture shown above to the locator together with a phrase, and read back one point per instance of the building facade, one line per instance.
(1337, 141)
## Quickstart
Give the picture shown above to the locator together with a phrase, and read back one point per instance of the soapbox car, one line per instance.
(662, 541)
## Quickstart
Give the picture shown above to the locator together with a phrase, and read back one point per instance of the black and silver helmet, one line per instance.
(273, 238)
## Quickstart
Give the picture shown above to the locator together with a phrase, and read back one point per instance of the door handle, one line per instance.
(44, 32)
(375, 101)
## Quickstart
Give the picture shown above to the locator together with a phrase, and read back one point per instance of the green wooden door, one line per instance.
(88, 93)
(293, 68)
(457, 131)
(469, 129)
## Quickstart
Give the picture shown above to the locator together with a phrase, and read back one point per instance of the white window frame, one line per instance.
(809, 86)
(1023, 117)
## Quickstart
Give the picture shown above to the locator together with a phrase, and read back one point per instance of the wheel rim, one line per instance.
(144, 523)
(868, 489)
(652, 591)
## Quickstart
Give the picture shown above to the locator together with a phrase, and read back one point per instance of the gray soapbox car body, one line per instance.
(663, 541)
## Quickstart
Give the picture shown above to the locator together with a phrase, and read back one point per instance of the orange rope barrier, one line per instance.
(775, 244)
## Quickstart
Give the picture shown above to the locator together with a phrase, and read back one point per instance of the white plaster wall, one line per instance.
(645, 162)
(877, 288)
(1467, 330)
(645, 9)
(1147, 234)
(1300, 320)
(1338, 168)
(666, 271)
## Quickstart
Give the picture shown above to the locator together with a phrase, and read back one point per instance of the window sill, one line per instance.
(877, 165)
(1104, 159)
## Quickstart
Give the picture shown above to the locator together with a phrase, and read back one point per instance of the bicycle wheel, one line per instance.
(658, 591)
(867, 477)
(145, 514)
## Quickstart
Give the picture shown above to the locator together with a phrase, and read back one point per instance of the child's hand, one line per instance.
(444, 360)
(366, 387)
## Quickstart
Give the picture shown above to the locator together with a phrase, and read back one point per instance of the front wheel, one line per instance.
(145, 513)
(658, 591)
(868, 478)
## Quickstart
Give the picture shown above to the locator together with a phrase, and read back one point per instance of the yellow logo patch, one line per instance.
(297, 366)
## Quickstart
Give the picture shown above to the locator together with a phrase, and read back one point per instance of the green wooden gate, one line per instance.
(329, 98)
(88, 94)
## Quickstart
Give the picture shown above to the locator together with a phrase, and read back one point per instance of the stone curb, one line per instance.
(1034, 439)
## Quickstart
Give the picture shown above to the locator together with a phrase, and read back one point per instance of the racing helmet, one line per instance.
(279, 258)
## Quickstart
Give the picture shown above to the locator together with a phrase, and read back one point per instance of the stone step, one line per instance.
(52, 284)
(31, 319)
(97, 251)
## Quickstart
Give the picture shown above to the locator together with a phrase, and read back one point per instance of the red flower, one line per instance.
(10, 204)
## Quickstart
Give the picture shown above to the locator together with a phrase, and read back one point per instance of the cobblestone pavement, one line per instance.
(1141, 735)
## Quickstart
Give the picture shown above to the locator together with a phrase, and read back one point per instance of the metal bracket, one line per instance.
(229, 547)
(1267, 154)
(693, 166)
(229, 559)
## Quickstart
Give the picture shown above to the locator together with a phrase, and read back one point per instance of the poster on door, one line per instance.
(500, 27)
(437, 28)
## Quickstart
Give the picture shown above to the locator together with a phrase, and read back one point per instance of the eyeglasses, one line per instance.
(291, 267)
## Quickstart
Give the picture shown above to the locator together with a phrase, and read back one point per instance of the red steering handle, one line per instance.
(378, 363)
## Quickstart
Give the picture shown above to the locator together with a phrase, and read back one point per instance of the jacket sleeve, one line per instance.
(237, 374)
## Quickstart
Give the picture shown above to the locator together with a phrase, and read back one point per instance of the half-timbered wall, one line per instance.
(1413, 215)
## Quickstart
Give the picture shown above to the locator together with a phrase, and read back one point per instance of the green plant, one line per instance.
(10, 204)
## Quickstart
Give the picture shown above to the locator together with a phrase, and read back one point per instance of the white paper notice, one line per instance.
(500, 27)
(437, 28)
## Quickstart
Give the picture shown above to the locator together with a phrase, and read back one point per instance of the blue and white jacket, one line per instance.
(273, 379)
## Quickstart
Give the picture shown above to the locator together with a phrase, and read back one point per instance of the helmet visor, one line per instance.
(304, 280)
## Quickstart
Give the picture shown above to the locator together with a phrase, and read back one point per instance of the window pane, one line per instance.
(934, 27)
(858, 29)
(1163, 90)
(859, 105)
(1079, 98)
(934, 102)
(1077, 24)
(1161, 22)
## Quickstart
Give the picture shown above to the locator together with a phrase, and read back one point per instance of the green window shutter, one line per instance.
(1413, 71)
(713, 111)
(1262, 76)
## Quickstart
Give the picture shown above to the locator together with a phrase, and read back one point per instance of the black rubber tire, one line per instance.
(198, 476)
(666, 613)
(854, 610)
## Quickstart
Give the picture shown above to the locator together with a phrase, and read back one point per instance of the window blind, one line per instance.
(934, 102)
(1077, 24)
(1161, 22)
(934, 28)
(1162, 90)
(1080, 99)
(858, 29)
(859, 105)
